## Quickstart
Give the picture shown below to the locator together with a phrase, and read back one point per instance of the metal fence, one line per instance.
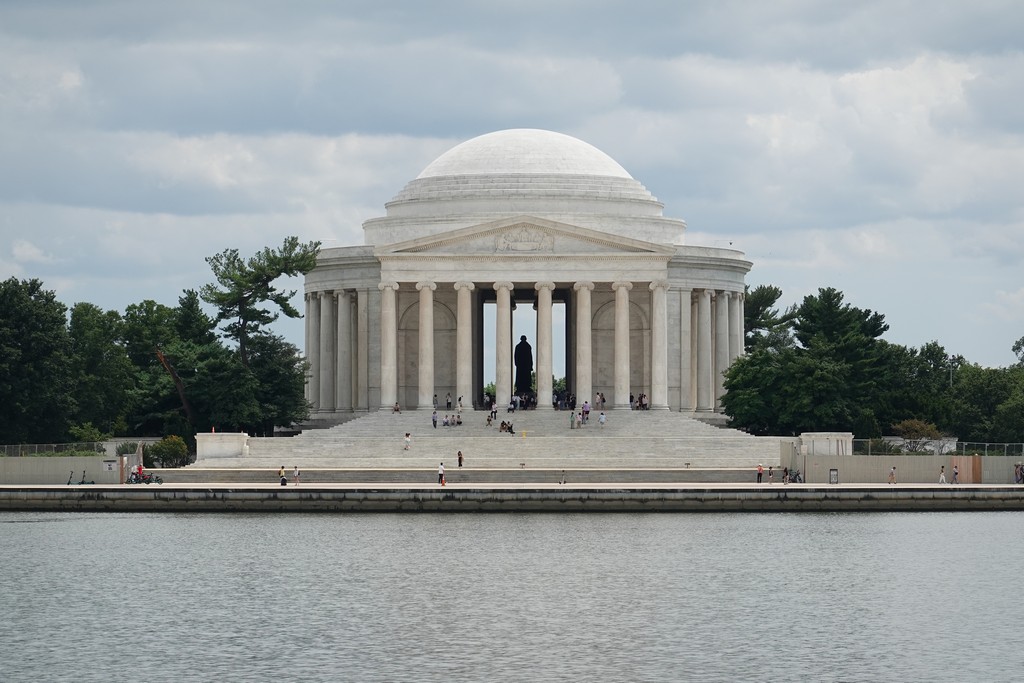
(963, 448)
(23, 450)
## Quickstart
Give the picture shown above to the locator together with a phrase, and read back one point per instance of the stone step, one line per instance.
(311, 475)
(629, 440)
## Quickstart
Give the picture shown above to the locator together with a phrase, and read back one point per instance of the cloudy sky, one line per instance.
(874, 147)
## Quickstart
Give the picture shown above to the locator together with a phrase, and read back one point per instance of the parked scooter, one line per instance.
(78, 483)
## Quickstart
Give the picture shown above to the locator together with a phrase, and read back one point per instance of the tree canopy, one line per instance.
(823, 366)
(154, 370)
(247, 285)
(35, 364)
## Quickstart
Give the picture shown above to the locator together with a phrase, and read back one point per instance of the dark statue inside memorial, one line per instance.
(524, 367)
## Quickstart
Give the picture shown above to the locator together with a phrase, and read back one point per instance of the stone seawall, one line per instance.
(510, 498)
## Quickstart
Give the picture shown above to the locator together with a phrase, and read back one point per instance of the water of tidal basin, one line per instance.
(511, 597)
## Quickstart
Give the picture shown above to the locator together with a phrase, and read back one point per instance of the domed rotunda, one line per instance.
(534, 217)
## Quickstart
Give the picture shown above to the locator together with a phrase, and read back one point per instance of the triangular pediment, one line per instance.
(523, 236)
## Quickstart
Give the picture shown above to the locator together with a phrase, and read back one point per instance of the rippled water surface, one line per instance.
(609, 597)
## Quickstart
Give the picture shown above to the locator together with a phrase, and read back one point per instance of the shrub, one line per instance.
(86, 432)
(171, 451)
(128, 447)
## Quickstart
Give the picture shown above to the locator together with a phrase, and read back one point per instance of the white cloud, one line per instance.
(24, 251)
(1007, 306)
(874, 147)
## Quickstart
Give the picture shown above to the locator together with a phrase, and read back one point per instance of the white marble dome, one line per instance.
(524, 150)
(523, 172)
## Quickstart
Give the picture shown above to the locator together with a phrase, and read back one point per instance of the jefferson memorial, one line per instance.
(522, 218)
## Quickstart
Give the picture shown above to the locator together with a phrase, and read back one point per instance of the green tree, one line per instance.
(191, 324)
(155, 404)
(35, 364)
(916, 433)
(147, 326)
(171, 451)
(86, 433)
(101, 372)
(977, 393)
(246, 285)
(758, 388)
(914, 384)
(762, 322)
(1008, 421)
(826, 382)
(279, 371)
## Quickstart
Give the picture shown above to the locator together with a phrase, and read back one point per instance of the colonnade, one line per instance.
(337, 349)
(710, 337)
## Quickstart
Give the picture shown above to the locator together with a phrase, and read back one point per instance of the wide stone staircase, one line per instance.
(630, 440)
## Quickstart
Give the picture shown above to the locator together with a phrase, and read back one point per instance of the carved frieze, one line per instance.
(524, 239)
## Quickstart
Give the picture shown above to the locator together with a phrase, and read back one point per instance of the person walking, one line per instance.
(956, 475)
(771, 474)
(448, 400)
(440, 474)
(601, 419)
(460, 458)
(760, 472)
(408, 441)
(942, 474)
(433, 419)
(892, 475)
(295, 475)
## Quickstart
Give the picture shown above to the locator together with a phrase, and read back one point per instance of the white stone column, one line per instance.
(503, 343)
(544, 349)
(621, 399)
(306, 344)
(735, 326)
(721, 343)
(742, 323)
(362, 399)
(584, 342)
(426, 358)
(388, 344)
(464, 343)
(659, 345)
(704, 351)
(343, 385)
(685, 350)
(314, 353)
(327, 371)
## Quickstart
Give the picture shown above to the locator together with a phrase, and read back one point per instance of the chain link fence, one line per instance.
(937, 447)
(23, 450)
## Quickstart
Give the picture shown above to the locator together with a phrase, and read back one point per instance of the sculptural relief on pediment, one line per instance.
(524, 239)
